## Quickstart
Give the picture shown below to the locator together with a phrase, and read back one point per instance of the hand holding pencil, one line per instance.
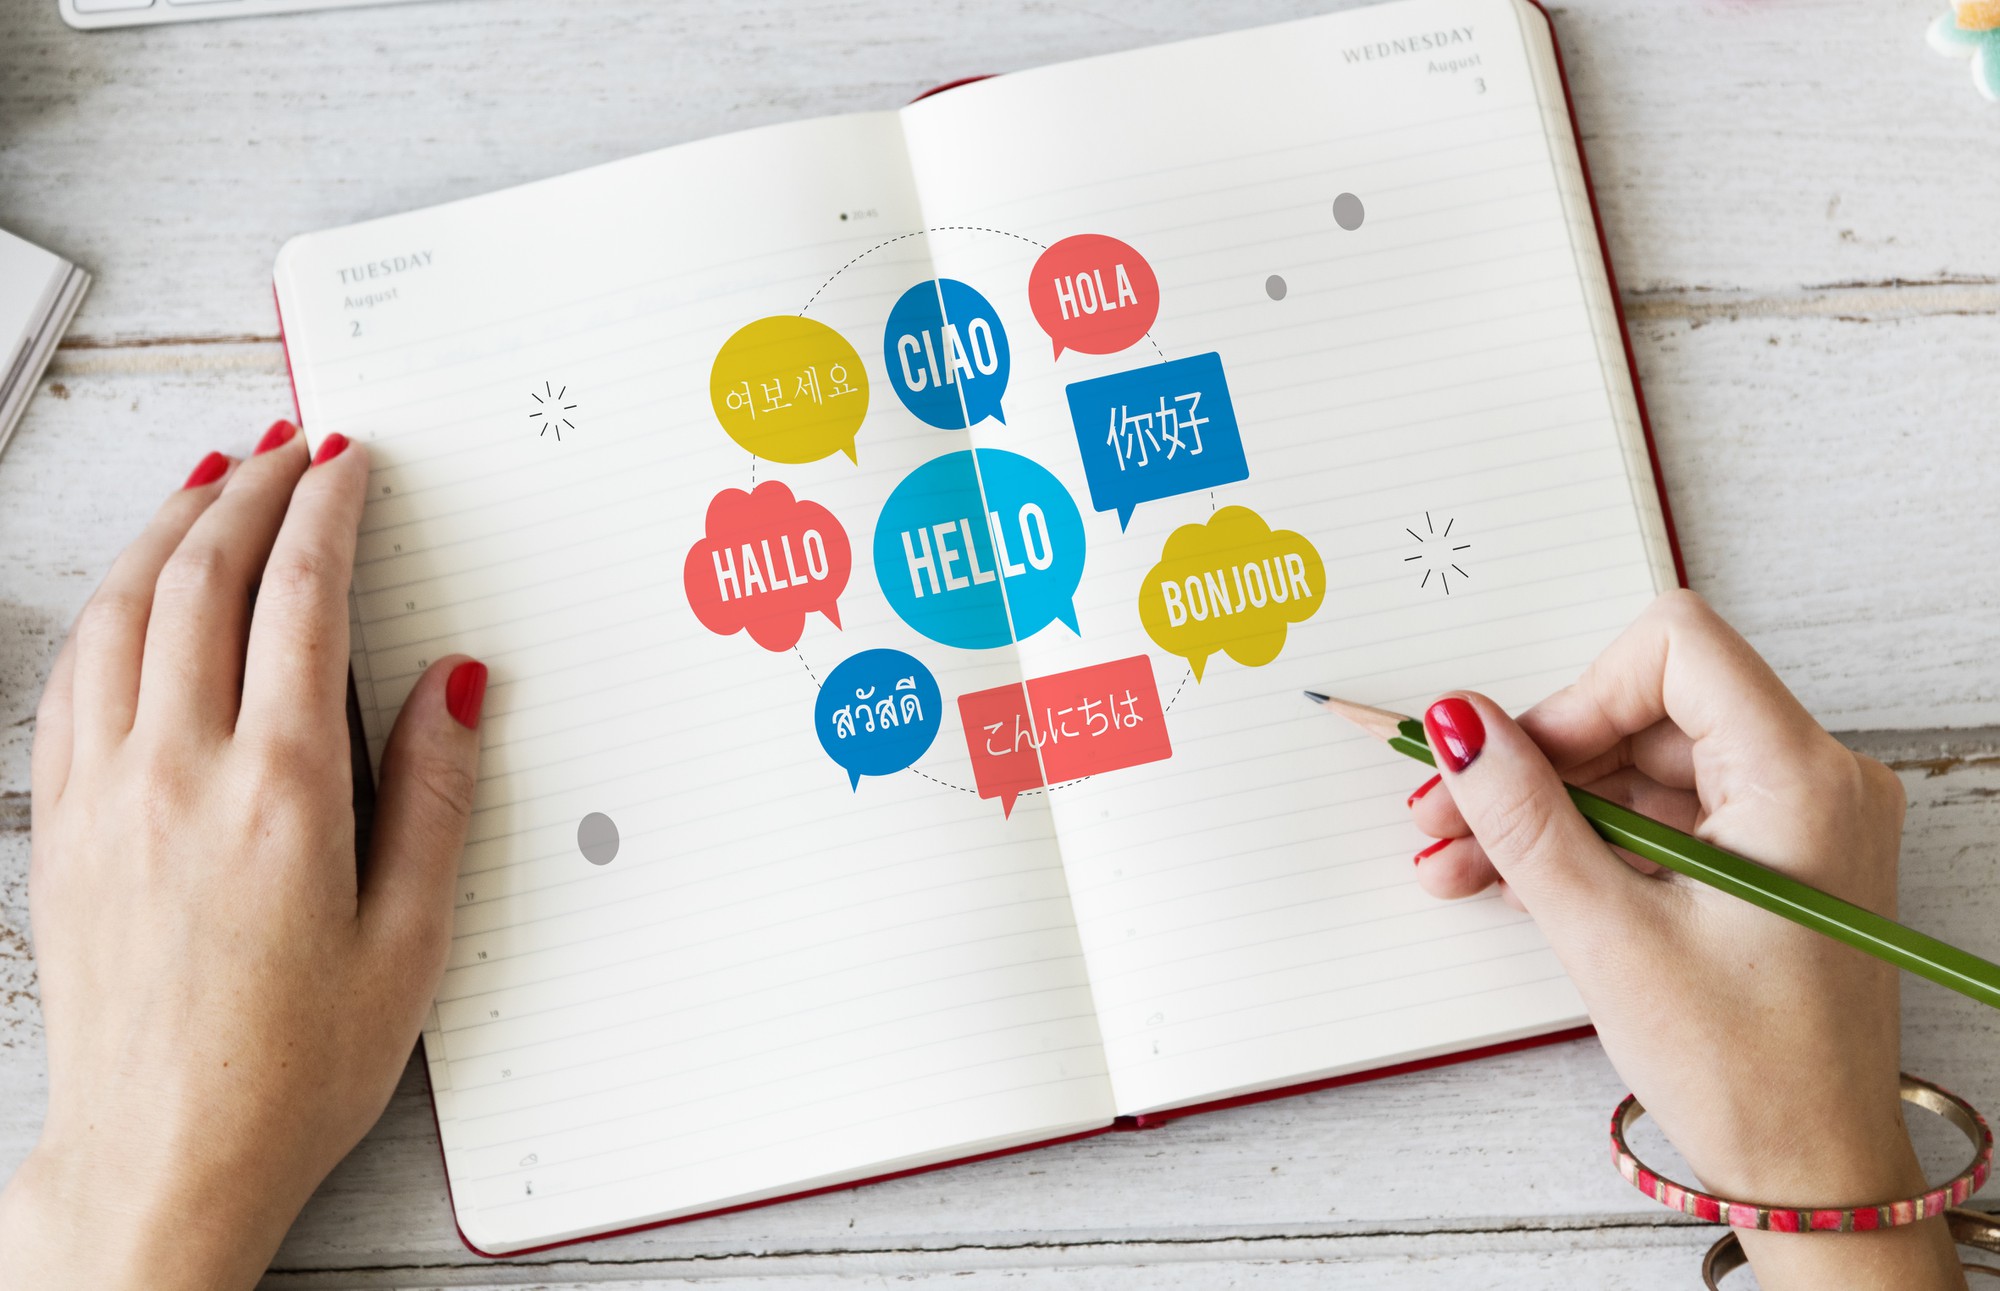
(1768, 1052)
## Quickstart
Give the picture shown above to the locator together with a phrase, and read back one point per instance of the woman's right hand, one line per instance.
(1768, 1053)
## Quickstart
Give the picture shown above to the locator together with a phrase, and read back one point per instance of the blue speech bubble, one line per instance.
(1155, 432)
(877, 713)
(954, 560)
(946, 354)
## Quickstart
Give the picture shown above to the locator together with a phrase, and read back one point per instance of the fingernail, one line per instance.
(277, 436)
(329, 448)
(212, 468)
(1423, 789)
(465, 693)
(1432, 850)
(1456, 732)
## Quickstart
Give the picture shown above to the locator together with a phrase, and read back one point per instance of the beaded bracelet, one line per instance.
(1788, 1219)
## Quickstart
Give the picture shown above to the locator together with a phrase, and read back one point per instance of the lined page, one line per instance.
(1436, 379)
(778, 981)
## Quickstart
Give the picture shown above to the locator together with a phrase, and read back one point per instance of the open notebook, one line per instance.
(780, 878)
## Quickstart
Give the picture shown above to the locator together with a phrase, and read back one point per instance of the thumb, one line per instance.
(424, 802)
(1519, 810)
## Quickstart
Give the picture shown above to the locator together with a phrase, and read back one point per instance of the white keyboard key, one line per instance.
(91, 14)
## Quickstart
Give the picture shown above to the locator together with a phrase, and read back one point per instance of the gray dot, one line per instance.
(597, 838)
(1347, 212)
(1274, 287)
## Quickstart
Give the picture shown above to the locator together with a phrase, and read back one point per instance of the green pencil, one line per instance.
(1802, 903)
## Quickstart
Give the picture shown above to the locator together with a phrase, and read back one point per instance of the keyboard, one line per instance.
(90, 14)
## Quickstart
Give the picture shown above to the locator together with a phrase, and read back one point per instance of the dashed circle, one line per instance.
(1347, 212)
(1274, 287)
(597, 838)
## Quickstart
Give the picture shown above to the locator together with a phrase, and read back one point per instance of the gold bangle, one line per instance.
(1974, 1228)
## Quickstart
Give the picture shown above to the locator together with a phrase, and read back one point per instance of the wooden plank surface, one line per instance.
(1616, 1259)
(1432, 1173)
(1831, 480)
(1761, 147)
(1800, 211)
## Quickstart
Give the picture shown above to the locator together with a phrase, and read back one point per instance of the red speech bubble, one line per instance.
(1065, 726)
(766, 562)
(1093, 294)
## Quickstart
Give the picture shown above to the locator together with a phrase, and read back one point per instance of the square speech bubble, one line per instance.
(1155, 432)
(1068, 724)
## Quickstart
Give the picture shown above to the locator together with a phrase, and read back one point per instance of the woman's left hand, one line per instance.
(228, 1002)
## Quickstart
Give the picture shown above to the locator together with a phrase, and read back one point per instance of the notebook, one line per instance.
(39, 293)
(900, 541)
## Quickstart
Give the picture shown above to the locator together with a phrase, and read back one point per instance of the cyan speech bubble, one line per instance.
(946, 354)
(877, 712)
(944, 553)
(1156, 431)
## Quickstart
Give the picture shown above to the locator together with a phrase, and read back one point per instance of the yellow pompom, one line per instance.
(1978, 15)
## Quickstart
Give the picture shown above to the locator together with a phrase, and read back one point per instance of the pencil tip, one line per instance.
(1379, 722)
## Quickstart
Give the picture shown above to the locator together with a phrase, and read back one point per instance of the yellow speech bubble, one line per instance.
(1234, 585)
(789, 389)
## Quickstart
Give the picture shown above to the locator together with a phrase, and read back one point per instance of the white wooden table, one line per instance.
(1804, 211)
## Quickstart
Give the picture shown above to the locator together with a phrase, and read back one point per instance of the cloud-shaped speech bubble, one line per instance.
(789, 389)
(1093, 294)
(877, 713)
(944, 549)
(946, 354)
(1232, 584)
(766, 561)
(1156, 431)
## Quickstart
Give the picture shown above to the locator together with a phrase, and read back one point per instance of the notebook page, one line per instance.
(29, 277)
(1566, 157)
(778, 980)
(1429, 394)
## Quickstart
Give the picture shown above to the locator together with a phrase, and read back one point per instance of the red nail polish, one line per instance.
(329, 448)
(1456, 732)
(1432, 850)
(465, 693)
(1423, 789)
(208, 471)
(279, 435)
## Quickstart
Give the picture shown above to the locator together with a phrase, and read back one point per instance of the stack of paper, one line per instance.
(39, 293)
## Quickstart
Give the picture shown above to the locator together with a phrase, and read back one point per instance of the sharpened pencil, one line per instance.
(1803, 904)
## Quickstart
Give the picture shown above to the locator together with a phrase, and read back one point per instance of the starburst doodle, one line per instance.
(551, 411)
(1439, 554)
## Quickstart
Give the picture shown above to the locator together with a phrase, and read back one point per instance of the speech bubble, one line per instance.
(1093, 294)
(877, 713)
(789, 389)
(1062, 727)
(946, 354)
(1232, 584)
(765, 561)
(1155, 432)
(946, 551)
